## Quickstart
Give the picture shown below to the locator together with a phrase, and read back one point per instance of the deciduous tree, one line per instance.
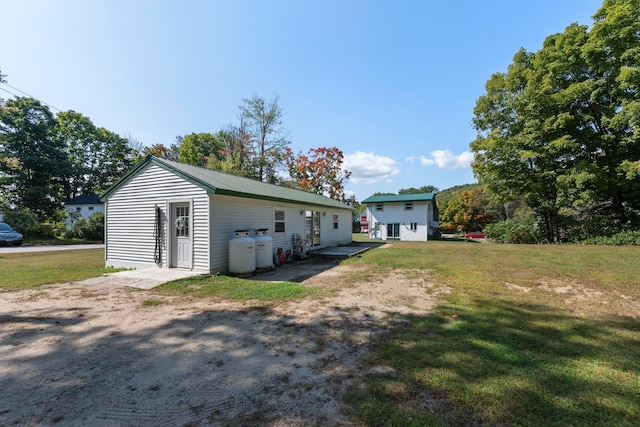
(97, 157)
(198, 148)
(237, 151)
(319, 171)
(171, 152)
(466, 211)
(33, 163)
(560, 126)
(264, 123)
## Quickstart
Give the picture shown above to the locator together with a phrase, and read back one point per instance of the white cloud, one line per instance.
(445, 159)
(368, 168)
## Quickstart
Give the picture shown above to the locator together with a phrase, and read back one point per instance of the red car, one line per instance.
(475, 235)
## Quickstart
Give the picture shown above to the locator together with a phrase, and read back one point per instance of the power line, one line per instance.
(25, 93)
(8, 91)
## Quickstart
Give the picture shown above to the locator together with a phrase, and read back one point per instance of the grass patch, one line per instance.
(530, 335)
(235, 288)
(151, 302)
(32, 269)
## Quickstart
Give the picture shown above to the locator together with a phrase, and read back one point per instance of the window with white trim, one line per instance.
(336, 221)
(278, 221)
(414, 226)
(408, 206)
(379, 206)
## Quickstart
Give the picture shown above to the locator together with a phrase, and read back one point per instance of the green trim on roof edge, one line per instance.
(236, 186)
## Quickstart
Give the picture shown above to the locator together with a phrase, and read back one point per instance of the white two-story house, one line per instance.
(409, 217)
(82, 207)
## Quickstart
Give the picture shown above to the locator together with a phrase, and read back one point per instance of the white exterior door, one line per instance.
(181, 235)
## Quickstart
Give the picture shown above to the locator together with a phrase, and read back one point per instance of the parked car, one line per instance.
(9, 236)
(475, 235)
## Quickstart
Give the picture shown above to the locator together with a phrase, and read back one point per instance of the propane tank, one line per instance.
(264, 250)
(242, 257)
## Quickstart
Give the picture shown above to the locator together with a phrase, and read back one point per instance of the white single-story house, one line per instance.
(410, 217)
(168, 214)
(82, 207)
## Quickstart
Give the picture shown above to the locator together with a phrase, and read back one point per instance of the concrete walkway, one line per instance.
(147, 278)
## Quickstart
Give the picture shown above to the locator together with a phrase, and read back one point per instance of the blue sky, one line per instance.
(391, 83)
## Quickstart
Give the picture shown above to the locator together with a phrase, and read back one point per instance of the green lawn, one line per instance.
(529, 335)
(33, 269)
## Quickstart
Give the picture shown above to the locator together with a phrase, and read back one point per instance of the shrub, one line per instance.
(23, 220)
(626, 237)
(515, 230)
(90, 229)
(78, 229)
(95, 226)
(47, 230)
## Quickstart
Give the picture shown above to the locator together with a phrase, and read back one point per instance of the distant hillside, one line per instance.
(444, 196)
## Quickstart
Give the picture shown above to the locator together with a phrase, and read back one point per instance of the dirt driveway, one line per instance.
(95, 355)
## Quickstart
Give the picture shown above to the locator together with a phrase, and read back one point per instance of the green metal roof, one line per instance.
(400, 198)
(216, 182)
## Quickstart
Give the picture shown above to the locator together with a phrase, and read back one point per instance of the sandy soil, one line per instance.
(82, 355)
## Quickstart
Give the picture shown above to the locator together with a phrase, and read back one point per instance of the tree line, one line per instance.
(46, 158)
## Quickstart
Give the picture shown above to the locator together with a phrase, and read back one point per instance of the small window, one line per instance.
(379, 206)
(336, 222)
(78, 209)
(90, 208)
(408, 206)
(278, 221)
(414, 226)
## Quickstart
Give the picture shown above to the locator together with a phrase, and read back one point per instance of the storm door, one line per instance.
(180, 235)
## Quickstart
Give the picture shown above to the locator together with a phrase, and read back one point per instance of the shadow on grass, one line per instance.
(499, 363)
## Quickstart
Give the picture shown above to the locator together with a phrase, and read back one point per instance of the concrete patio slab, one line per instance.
(146, 278)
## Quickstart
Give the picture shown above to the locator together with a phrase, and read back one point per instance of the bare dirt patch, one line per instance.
(98, 355)
(582, 299)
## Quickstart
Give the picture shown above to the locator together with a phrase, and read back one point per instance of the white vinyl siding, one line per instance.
(414, 224)
(233, 213)
(131, 219)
